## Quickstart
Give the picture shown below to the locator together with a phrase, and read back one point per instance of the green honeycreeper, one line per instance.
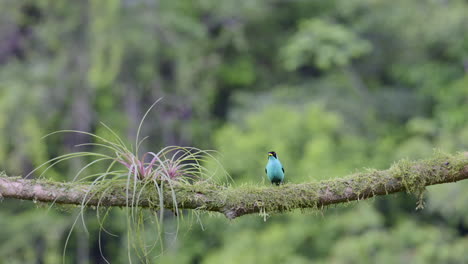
(274, 170)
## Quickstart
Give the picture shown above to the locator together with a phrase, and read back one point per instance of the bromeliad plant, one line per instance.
(152, 171)
(172, 163)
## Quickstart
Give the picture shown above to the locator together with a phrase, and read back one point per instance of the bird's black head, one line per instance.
(272, 153)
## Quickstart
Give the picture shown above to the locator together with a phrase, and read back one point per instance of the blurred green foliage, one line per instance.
(331, 86)
(323, 44)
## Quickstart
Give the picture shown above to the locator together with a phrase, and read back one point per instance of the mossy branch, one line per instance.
(410, 176)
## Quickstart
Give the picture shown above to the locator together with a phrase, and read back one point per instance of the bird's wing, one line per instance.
(265, 170)
(282, 169)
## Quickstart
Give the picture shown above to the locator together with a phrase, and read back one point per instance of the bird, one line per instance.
(274, 169)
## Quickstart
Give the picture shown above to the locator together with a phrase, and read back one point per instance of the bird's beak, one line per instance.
(269, 154)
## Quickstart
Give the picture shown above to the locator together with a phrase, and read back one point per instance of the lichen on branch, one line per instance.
(403, 176)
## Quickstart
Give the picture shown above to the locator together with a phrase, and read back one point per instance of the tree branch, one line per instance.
(234, 202)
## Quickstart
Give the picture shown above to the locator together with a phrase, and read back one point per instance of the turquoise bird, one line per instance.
(274, 170)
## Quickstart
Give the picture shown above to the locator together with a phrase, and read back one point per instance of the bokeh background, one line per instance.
(331, 86)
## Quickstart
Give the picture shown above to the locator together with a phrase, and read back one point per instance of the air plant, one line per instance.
(156, 170)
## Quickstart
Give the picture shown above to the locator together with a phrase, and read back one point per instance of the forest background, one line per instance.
(331, 86)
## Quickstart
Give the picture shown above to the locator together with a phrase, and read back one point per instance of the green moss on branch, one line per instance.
(409, 176)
